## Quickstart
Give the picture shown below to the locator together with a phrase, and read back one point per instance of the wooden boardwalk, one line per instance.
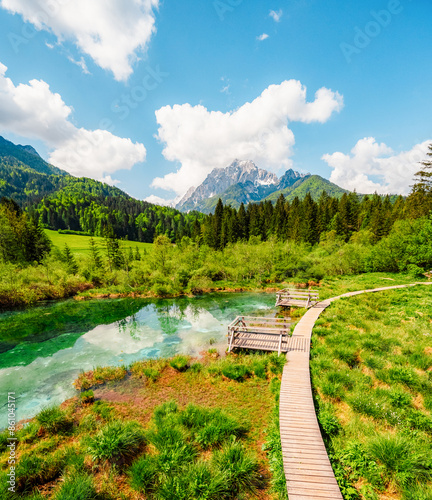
(308, 471)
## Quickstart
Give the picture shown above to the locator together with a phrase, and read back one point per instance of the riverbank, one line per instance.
(211, 407)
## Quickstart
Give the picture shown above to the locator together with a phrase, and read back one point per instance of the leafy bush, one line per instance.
(116, 440)
(328, 420)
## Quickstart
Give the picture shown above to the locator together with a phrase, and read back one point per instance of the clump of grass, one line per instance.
(404, 461)
(102, 409)
(78, 486)
(54, 421)
(99, 376)
(116, 441)
(87, 397)
(143, 474)
(180, 362)
(273, 447)
(236, 371)
(150, 369)
(29, 432)
(240, 468)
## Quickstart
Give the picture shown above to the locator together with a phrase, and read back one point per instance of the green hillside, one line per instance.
(314, 185)
(61, 201)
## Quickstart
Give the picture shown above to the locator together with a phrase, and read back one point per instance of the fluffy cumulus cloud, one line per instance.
(201, 140)
(375, 167)
(111, 32)
(32, 110)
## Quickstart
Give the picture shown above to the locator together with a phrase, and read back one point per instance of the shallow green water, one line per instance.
(43, 349)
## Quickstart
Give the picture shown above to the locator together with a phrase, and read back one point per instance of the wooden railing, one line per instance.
(258, 331)
(296, 297)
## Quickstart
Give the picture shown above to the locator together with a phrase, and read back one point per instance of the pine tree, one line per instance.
(94, 254)
(69, 258)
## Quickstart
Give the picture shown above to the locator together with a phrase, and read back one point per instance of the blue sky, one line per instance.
(152, 96)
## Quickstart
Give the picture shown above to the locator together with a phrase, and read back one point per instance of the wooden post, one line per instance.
(231, 340)
(280, 344)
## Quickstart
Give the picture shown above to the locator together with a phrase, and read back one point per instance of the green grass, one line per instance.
(370, 365)
(204, 444)
(80, 245)
(116, 441)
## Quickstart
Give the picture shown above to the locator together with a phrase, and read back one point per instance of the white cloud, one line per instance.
(262, 37)
(225, 90)
(81, 63)
(276, 15)
(32, 110)
(201, 140)
(159, 201)
(375, 167)
(111, 32)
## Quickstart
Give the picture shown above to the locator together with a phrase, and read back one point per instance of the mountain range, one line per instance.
(27, 178)
(244, 182)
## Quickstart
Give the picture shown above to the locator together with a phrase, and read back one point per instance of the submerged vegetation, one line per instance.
(162, 429)
(372, 371)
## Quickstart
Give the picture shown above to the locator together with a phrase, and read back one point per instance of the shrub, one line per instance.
(116, 440)
(236, 371)
(78, 486)
(53, 420)
(180, 363)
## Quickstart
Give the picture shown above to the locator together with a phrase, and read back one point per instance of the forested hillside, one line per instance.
(61, 201)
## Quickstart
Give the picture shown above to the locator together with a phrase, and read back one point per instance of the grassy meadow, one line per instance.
(371, 366)
(80, 244)
(171, 429)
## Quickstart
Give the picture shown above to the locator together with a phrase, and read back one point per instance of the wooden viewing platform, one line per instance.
(263, 334)
(296, 297)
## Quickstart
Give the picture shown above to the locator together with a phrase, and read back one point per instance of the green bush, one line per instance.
(116, 440)
(180, 363)
(328, 420)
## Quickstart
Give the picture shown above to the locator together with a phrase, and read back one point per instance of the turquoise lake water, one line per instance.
(43, 349)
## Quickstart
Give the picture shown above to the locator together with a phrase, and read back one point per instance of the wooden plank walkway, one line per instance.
(308, 471)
